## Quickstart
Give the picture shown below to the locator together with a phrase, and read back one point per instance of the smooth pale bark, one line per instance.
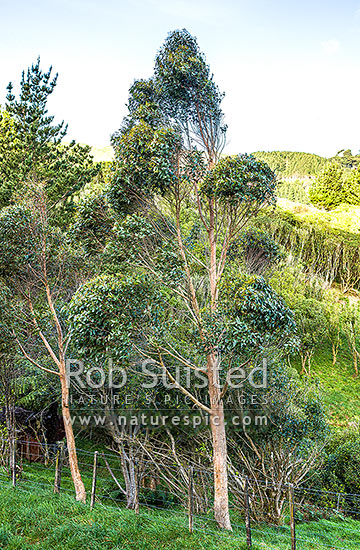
(217, 420)
(218, 432)
(70, 439)
(69, 432)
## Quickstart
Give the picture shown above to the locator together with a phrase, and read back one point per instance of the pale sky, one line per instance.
(290, 69)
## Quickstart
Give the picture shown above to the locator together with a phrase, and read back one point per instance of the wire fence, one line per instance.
(184, 492)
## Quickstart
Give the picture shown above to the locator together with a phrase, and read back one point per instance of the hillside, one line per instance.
(292, 164)
(102, 154)
(320, 234)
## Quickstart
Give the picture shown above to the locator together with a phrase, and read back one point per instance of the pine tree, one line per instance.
(327, 190)
(351, 188)
(31, 147)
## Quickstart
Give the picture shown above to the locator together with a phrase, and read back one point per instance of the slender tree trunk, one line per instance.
(303, 363)
(217, 420)
(70, 439)
(309, 363)
(335, 348)
(129, 472)
(218, 432)
(355, 357)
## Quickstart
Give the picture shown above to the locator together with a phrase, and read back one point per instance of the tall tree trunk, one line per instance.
(218, 432)
(217, 420)
(70, 439)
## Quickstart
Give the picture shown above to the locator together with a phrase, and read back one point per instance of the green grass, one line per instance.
(340, 389)
(33, 517)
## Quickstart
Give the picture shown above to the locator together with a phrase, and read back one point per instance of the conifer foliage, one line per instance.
(31, 147)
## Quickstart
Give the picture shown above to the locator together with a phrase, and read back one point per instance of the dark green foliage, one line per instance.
(17, 234)
(145, 164)
(186, 88)
(7, 341)
(241, 179)
(23, 232)
(258, 318)
(297, 414)
(30, 114)
(159, 497)
(311, 321)
(341, 469)
(35, 152)
(258, 249)
(143, 104)
(92, 224)
(147, 157)
(106, 312)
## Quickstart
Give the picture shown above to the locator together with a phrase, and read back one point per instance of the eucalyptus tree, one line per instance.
(40, 271)
(180, 206)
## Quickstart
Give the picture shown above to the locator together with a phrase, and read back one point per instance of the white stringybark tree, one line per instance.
(180, 208)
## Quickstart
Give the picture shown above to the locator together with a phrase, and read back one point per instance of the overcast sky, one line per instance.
(290, 69)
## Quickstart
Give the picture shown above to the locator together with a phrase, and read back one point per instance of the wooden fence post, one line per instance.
(13, 462)
(247, 514)
(191, 499)
(292, 517)
(338, 503)
(136, 474)
(58, 467)
(93, 487)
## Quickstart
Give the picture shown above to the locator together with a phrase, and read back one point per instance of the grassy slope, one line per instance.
(341, 388)
(39, 519)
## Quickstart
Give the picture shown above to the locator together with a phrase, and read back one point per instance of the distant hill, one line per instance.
(289, 164)
(102, 154)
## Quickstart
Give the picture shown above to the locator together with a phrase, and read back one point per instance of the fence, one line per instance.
(103, 475)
